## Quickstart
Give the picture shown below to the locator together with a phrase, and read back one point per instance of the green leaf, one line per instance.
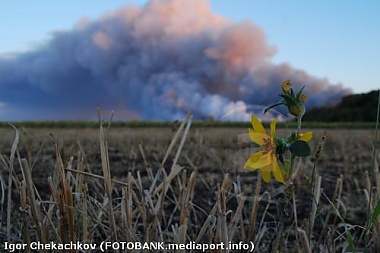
(376, 213)
(350, 238)
(298, 96)
(300, 148)
(274, 105)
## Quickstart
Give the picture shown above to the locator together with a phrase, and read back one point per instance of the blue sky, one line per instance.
(338, 40)
(334, 39)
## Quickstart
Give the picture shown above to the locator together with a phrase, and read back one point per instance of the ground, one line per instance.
(213, 153)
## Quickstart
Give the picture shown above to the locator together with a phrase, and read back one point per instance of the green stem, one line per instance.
(292, 158)
(299, 126)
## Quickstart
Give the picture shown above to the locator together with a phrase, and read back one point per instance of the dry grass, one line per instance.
(180, 185)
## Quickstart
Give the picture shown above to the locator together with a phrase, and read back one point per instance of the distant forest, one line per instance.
(357, 107)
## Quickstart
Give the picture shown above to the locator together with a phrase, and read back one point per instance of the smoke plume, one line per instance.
(156, 62)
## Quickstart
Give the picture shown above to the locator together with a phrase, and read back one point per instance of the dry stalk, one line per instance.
(295, 215)
(85, 232)
(175, 169)
(10, 172)
(222, 210)
(210, 222)
(2, 198)
(34, 205)
(175, 138)
(64, 197)
(207, 225)
(49, 214)
(127, 204)
(188, 121)
(58, 199)
(107, 177)
(141, 206)
(337, 194)
(95, 176)
(304, 240)
(235, 220)
(167, 180)
(143, 155)
(314, 207)
(159, 214)
(189, 194)
(24, 209)
(70, 210)
(255, 202)
(185, 209)
(79, 185)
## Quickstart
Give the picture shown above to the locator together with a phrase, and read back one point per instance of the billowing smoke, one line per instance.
(155, 63)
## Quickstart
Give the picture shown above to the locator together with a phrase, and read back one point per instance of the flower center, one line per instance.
(267, 146)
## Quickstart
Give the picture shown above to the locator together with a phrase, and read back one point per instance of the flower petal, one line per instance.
(286, 86)
(265, 175)
(307, 136)
(273, 128)
(260, 160)
(249, 164)
(257, 138)
(256, 124)
(303, 97)
(277, 171)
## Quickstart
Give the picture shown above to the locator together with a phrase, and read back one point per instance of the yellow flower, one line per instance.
(265, 159)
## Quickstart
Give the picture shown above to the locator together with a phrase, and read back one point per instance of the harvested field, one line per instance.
(205, 196)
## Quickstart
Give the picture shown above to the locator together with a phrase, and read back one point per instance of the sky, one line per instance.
(334, 41)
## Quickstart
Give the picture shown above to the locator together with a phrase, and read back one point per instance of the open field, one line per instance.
(204, 196)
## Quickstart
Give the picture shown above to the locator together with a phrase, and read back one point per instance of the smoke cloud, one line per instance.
(154, 63)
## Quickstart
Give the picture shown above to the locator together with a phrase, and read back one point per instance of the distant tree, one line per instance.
(357, 107)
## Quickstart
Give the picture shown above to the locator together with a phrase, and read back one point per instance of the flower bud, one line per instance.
(297, 109)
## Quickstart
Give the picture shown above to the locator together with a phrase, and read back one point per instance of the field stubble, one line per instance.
(209, 193)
